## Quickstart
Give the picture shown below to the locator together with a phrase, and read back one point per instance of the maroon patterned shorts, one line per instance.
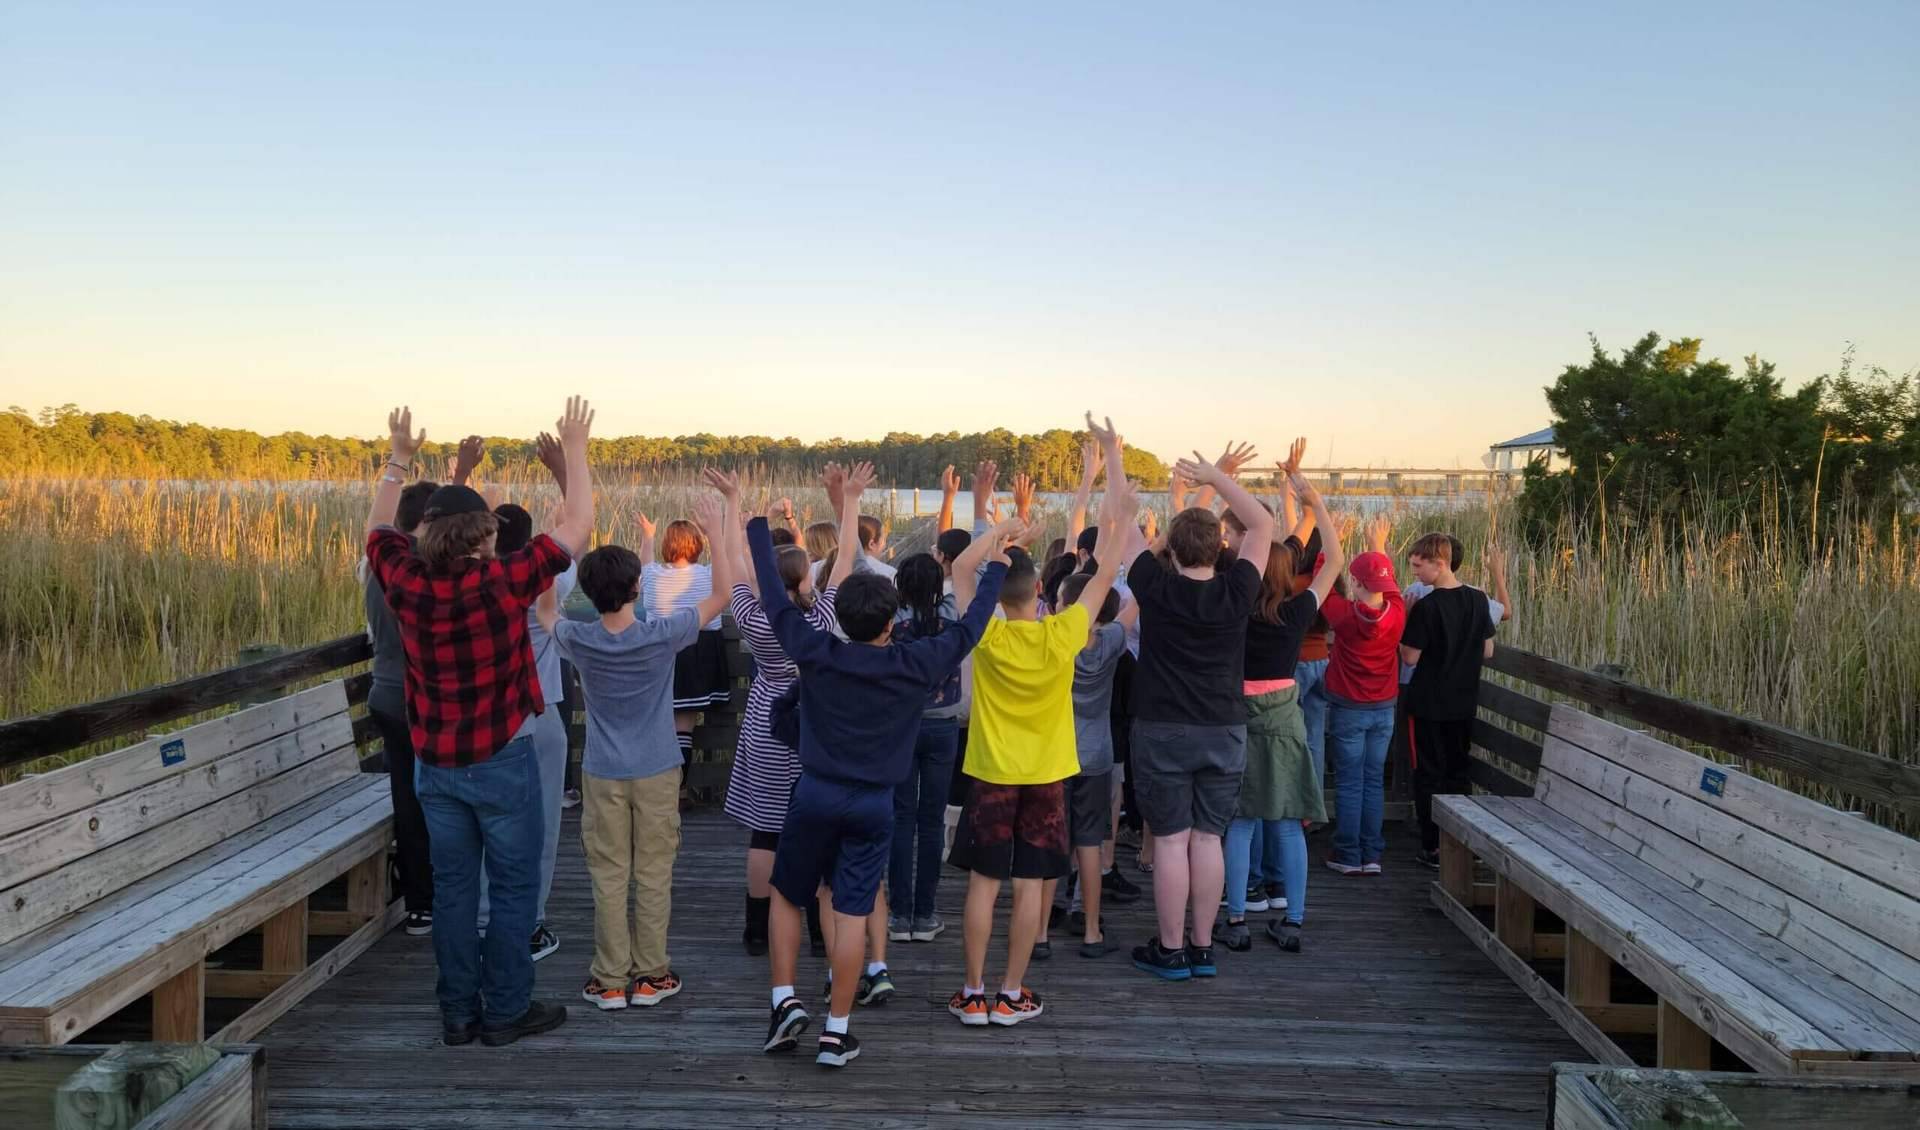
(1013, 831)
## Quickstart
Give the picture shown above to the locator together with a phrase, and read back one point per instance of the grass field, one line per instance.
(115, 586)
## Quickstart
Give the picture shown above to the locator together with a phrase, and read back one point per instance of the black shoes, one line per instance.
(789, 1020)
(1166, 964)
(1117, 888)
(539, 1017)
(419, 923)
(1429, 860)
(1285, 934)
(1200, 961)
(543, 942)
(455, 1037)
(837, 1049)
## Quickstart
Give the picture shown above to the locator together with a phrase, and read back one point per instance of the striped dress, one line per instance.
(764, 770)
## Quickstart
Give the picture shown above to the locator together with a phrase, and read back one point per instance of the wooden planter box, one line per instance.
(230, 1095)
(1591, 1097)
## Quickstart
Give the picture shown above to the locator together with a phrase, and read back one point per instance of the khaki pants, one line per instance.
(631, 832)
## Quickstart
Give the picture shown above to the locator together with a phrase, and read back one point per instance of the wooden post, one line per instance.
(1456, 869)
(1589, 980)
(1683, 1045)
(367, 887)
(180, 1007)
(1513, 917)
(283, 940)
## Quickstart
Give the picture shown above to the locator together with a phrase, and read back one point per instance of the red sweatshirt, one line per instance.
(1365, 663)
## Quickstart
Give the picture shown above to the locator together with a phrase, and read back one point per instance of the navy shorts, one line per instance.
(836, 833)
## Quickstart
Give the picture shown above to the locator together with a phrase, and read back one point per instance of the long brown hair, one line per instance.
(1276, 584)
(794, 567)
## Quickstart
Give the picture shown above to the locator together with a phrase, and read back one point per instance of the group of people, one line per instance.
(1199, 673)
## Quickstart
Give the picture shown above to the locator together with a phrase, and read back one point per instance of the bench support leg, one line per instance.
(180, 1007)
(367, 887)
(1456, 869)
(1684, 1045)
(1513, 917)
(1589, 978)
(283, 940)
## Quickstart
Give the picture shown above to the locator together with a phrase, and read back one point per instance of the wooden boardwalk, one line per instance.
(1390, 1018)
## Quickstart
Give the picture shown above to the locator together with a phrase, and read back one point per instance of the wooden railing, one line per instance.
(1506, 735)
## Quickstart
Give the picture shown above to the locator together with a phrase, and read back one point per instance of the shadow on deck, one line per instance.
(1390, 1018)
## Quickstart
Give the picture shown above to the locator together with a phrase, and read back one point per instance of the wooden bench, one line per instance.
(1782, 928)
(121, 874)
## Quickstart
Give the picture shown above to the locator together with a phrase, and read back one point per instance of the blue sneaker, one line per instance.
(1166, 964)
(1200, 961)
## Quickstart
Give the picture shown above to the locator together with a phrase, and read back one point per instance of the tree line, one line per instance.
(67, 442)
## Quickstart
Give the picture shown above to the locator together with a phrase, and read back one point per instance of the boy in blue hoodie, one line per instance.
(860, 702)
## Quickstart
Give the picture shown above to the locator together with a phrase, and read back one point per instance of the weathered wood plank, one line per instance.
(180, 1006)
(29, 738)
(1514, 705)
(1762, 1102)
(1683, 1044)
(1868, 776)
(1513, 911)
(275, 1004)
(220, 1099)
(1506, 744)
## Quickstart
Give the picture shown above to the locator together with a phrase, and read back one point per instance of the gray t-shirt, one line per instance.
(627, 680)
(1093, 672)
(546, 657)
(389, 655)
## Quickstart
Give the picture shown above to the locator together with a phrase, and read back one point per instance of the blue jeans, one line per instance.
(1360, 739)
(1311, 676)
(494, 808)
(1263, 857)
(920, 820)
(1289, 840)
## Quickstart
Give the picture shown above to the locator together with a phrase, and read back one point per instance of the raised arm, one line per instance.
(1333, 553)
(852, 486)
(802, 642)
(472, 450)
(1301, 528)
(1236, 456)
(1023, 496)
(648, 549)
(934, 657)
(1497, 570)
(546, 609)
(393, 473)
(715, 514)
(834, 478)
(985, 477)
(1252, 515)
(553, 457)
(575, 531)
(949, 487)
(986, 547)
(1116, 517)
(1090, 463)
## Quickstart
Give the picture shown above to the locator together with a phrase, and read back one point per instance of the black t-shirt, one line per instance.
(1450, 627)
(1193, 638)
(1273, 649)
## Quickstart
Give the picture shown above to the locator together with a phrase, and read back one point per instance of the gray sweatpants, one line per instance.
(550, 750)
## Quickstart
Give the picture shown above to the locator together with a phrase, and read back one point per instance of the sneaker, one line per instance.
(603, 998)
(1200, 960)
(789, 1020)
(649, 991)
(1099, 949)
(1276, 897)
(570, 799)
(539, 1017)
(1285, 934)
(1117, 888)
(544, 942)
(875, 989)
(1234, 935)
(970, 1008)
(1042, 951)
(419, 923)
(1256, 896)
(457, 1035)
(1166, 964)
(837, 1049)
(899, 930)
(928, 928)
(1339, 868)
(1008, 1011)
(1370, 869)
(1429, 860)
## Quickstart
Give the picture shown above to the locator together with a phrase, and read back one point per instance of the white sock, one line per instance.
(780, 993)
(838, 1024)
(1105, 871)
(974, 990)
(876, 968)
(1013, 992)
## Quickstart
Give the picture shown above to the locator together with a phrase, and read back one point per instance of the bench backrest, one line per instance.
(78, 834)
(1841, 889)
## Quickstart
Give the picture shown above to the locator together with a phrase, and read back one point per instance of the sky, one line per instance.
(1386, 227)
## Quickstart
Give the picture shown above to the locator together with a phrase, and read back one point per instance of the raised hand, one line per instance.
(1303, 487)
(1023, 495)
(781, 508)
(1295, 452)
(986, 478)
(834, 478)
(1200, 471)
(472, 450)
(1091, 460)
(646, 525)
(1152, 525)
(725, 482)
(859, 479)
(1102, 435)
(708, 514)
(949, 482)
(405, 445)
(1003, 535)
(1235, 457)
(1178, 488)
(577, 424)
(553, 457)
(1496, 562)
(1379, 529)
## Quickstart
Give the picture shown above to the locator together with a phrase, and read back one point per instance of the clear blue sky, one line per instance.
(1385, 226)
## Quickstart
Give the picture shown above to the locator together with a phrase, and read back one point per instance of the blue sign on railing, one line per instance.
(1713, 782)
(173, 752)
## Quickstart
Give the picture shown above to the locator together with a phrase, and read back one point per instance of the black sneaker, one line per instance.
(1429, 860)
(875, 989)
(1117, 888)
(1200, 960)
(544, 942)
(837, 1049)
(1285, 934)
(1256, 897)
(455, 1035)
(1042, 951)
(539, 1017)
(789, 1020)
(1166, 964)
(419, 923)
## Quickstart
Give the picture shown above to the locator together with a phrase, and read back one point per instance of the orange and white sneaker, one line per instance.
(649, 991)
(603, 998)
(1008, 1011)
(971, 1008)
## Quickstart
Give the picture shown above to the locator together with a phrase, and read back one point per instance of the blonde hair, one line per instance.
(821, 539)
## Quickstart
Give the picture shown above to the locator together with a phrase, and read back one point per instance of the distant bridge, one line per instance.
(1395, 480)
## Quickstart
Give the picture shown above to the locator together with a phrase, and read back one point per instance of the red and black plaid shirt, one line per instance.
(471, 681)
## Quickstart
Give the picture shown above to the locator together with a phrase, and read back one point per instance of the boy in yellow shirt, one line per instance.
(1020, 753)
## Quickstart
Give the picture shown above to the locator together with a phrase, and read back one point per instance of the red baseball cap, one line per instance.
(1374, 571)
